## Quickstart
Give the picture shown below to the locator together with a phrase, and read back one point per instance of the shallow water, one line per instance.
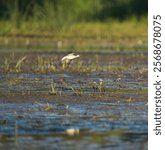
(101, 125)
(114, 117)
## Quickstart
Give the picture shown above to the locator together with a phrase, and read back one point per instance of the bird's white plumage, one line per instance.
(66, 60)
(70, 56)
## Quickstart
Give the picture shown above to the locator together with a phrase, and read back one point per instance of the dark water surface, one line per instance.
(81, 113)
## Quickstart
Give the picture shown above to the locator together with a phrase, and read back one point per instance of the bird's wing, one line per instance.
(71, 54)
(63, 58)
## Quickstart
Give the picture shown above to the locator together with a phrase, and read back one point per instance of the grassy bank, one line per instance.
(130, 34)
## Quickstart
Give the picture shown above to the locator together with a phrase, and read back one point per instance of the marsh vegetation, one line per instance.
(97, 101)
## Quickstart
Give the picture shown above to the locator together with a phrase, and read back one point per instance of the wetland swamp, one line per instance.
(98, 102)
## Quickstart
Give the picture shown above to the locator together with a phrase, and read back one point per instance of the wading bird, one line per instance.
(66, 60)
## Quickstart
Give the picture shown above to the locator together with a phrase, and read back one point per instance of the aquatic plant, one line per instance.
(98, 87)
(11, 66)
(44, 107)
(48, 107)
(76, 91)
(6, 65)
(53, 88)
(19, 63)
(44, 65)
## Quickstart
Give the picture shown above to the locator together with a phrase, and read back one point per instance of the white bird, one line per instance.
(66, 60)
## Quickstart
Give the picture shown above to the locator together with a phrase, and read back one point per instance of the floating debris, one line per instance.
(72, 131)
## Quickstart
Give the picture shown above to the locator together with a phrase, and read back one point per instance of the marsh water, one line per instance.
(98, 102)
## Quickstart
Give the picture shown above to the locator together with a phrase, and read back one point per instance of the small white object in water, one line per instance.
(72, 131)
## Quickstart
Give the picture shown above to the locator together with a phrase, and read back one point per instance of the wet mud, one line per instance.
(76, 108)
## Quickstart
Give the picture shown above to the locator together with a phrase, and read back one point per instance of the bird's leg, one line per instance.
(66, 64)
(63, 65)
